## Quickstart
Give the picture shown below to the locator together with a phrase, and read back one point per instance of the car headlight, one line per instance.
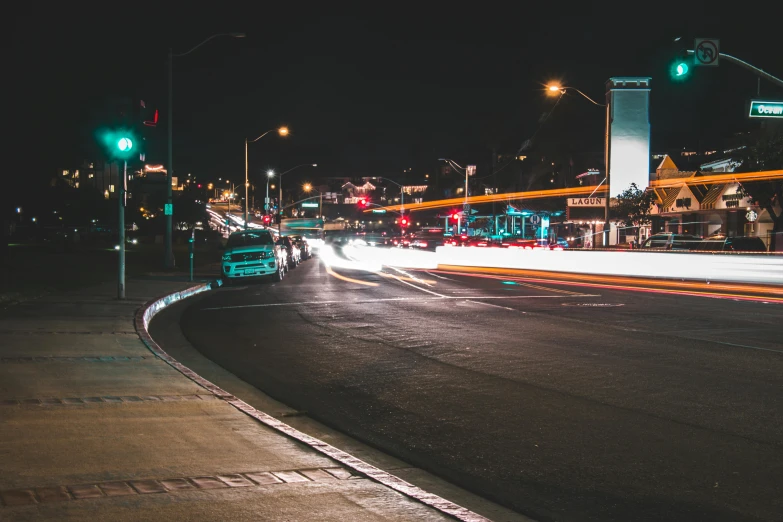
(226, 257)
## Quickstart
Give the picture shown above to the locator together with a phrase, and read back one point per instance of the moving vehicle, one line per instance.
(310, 228)
(290, 251)
(253, 253)
(303, 244)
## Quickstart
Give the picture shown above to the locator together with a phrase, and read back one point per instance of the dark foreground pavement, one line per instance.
(94, 426)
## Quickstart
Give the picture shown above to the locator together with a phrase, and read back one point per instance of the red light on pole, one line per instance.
(404, 221)
(455, 216)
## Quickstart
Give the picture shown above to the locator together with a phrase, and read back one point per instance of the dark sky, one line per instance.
(365, 93)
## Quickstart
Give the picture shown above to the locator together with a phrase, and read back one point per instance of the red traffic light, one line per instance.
(362, 202)
(404, 221)
(199, 185)
(455, 216)
(267, 219)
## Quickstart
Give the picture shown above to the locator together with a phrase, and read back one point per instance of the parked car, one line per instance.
(721, 243)
(252, 253)
(301, 242)
(670, 241)
(292, 253)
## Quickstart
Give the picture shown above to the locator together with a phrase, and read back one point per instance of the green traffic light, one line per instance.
(682, 69)
(124, 144)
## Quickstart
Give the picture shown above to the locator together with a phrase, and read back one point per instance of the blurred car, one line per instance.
(301, 242)
(292, 253)
(428, 239)
(252, 253)
(722, 243)
(671, 241)
(518, 242)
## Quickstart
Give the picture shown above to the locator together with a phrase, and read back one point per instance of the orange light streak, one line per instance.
(695, 288)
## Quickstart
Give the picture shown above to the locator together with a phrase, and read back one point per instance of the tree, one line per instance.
(633, 208)
(767, 154)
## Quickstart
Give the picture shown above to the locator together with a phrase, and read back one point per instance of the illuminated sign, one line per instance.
(766, 109)
(586, 202)
(310, 205)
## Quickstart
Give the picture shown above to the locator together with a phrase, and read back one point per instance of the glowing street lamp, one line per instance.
(282, 131)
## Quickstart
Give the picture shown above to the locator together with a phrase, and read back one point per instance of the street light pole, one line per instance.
(280, 183)
(169, 254)
(282, 131)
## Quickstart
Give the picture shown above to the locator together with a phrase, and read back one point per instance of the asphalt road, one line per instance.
(562, 402)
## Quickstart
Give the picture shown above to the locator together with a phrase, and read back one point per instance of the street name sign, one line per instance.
(310, 205)
(766, 109)
(586, 202)
(168, 209)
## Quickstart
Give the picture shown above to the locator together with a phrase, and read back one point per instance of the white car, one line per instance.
(253, 253)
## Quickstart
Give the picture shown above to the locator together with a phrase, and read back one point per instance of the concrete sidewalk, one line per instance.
(95, 426)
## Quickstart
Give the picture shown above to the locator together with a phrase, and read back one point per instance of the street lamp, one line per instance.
(269, 175)
(307, 188)
(280, 183)
(169, 255)
(552, 88)
(402, 193)
(465, 206)
(282, 131)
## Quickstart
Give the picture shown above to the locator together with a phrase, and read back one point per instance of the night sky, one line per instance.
(365, 93)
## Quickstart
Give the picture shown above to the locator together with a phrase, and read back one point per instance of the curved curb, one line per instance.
(142, 319)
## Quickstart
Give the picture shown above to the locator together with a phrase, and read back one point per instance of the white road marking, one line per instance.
(439, 276)
(390, 299)
(496, 306)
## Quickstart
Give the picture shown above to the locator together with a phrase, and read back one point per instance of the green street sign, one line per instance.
(378, 211)
(766, 109)
(168, 209)
(310, 205)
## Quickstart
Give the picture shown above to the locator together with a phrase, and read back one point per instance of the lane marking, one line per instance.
(439, 276)
(348, 279)
(734, 344)
(409, 275)
(496, 306)
(391, 299)
(417, 287)
(425, 281)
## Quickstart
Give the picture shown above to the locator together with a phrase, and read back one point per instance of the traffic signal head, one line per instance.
(362, 202)
(119, 144)
(680, 68)
(455, 216)
(404, 221)
(267, 219)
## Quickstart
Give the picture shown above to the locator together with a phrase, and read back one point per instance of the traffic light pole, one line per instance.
(169, 255)
(746, 65)
(121, 232)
